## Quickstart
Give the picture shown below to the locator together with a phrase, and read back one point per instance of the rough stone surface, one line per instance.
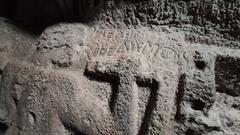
(159, 67)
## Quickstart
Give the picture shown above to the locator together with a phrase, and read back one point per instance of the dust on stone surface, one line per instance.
(145, 67)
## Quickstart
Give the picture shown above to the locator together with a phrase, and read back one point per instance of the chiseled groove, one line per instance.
(154, 86)
(146, 82)
(179, 95)
(113, 80)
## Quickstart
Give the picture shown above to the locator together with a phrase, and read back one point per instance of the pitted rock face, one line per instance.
(130, 85)
(107, 79)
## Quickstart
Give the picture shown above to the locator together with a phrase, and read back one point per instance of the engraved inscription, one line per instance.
(116, 42)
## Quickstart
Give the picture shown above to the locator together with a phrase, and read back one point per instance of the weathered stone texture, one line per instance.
(142, 68)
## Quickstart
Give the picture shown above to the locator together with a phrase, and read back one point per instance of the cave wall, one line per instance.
(157, 67)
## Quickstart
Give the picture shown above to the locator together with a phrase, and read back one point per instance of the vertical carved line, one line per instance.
(179, 96)
(126, 107)
(152, 103)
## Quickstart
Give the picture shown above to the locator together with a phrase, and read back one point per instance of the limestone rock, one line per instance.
(157, 67)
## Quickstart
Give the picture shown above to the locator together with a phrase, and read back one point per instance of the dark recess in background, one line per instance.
(7, 8)
(36, 15)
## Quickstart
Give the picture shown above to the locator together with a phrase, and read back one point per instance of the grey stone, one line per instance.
(139, 68)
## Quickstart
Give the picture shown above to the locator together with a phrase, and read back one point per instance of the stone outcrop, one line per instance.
(166, 67)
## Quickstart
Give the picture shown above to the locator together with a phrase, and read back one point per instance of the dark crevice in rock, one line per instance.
(236, 106)
(179, 97)
(3, 128)
(198, 105)
(191, 132)
(199, 62)
(15, 101)
(227, 75)
(114, 94)
(33, 117)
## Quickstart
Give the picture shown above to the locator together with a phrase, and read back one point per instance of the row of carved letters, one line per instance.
(156, 50)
